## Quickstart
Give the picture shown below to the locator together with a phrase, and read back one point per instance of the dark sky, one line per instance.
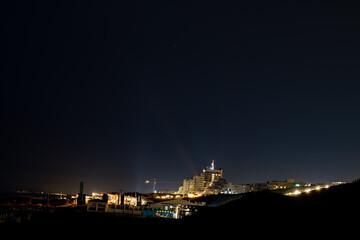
(115, 93)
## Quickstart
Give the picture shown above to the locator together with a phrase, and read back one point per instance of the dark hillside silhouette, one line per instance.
(336, 206)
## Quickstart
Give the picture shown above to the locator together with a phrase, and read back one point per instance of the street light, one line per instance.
(154, 184)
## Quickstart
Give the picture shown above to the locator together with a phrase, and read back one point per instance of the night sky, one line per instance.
(113, 93)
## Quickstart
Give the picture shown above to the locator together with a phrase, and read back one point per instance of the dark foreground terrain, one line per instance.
(333, 211)
(337, 204)
(328, 212)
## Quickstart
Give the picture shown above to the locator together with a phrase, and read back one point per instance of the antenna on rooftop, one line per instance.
(212, 167)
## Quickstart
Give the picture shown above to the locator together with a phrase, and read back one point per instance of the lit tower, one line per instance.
(81, 195)
(211, 174)
(212, 167)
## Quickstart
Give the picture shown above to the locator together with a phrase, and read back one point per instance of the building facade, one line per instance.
(288, 183)
(210, 181)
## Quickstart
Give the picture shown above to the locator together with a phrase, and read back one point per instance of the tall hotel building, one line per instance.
(208, 182)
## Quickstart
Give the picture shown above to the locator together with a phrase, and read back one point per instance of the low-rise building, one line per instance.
(178, 207)
(273, 185)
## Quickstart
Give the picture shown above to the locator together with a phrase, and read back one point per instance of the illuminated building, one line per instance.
(288, 183)
(116, 198)
(210, 181)
(178, 207)
(211, 174)
(242, 188)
